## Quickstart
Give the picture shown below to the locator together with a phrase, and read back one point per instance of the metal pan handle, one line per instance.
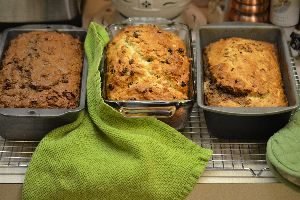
(158, 112)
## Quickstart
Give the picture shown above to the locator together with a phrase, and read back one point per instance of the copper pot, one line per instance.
(250, 9)
(252, 2)
(238, 16)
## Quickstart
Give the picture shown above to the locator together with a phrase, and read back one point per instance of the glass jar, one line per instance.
(284, 12)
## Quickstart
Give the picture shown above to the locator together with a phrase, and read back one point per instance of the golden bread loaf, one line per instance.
(242, 73)
(145, 62)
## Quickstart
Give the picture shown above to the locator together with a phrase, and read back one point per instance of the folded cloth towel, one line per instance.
(104, 155)
(283, 153)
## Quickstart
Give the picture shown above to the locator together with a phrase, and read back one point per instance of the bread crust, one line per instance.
(145, 62)
(41, 70)
(243, 73)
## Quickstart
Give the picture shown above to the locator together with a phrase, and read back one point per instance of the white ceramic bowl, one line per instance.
(151, 8)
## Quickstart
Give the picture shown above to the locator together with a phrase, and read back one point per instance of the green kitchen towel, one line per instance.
(283, 153)
(104, 155)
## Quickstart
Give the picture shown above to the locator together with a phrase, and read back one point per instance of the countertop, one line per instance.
(274, 191)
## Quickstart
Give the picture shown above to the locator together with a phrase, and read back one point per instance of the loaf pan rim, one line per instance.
(192, 94)
(243, 111)
(47, 112)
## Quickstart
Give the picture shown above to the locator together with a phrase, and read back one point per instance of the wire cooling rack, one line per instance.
(231, 158)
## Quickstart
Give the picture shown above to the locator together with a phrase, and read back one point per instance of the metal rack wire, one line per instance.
(228, 154)
(248, 157)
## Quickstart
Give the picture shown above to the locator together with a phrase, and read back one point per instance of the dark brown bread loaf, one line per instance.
(41, 70)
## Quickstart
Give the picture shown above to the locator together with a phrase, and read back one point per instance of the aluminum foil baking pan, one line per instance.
(175, 113)
(225, 122)
(30, 123)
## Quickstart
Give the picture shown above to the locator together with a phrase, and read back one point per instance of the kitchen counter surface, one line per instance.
(275, 191)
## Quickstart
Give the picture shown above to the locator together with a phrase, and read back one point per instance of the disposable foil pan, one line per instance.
(175, 113)
(226, 122)
(31, 123)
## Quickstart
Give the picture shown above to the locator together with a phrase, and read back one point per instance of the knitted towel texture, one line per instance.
(283, 153)
(104, 155)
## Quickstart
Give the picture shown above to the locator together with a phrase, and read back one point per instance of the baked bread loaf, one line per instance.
(41, 70)
(145, 62)
(242, 73)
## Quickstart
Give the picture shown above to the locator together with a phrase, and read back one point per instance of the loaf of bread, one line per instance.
(41, 70)
(242, 73)
(145, 62)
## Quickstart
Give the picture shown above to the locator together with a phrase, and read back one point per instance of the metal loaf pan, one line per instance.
(248, 123)
(30, 123)
(174, 113)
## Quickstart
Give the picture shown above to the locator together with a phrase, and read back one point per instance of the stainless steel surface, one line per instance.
(233, 161)
(33, 124)
(253, 122)
(174, 113)
(18, 11)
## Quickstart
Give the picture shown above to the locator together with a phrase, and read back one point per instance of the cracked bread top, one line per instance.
(145, 62)
(41, 70)
(243, 72)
